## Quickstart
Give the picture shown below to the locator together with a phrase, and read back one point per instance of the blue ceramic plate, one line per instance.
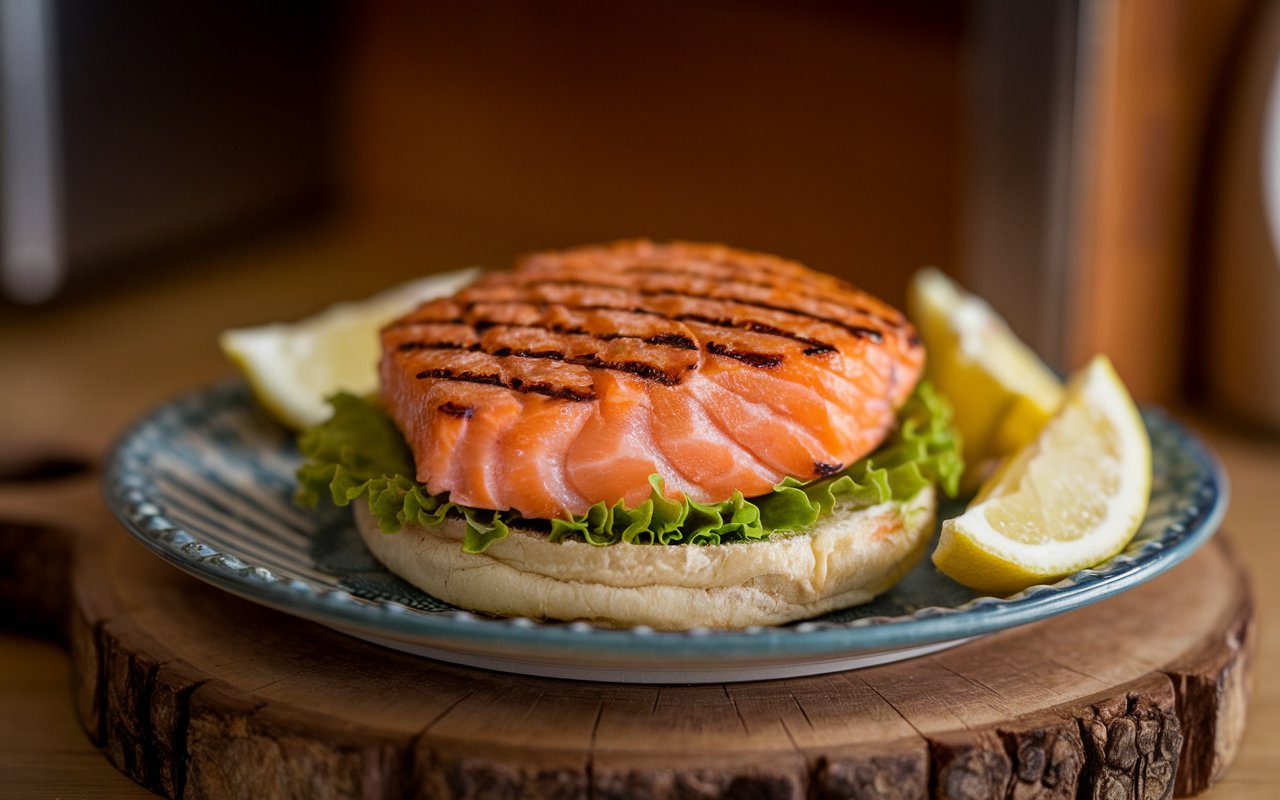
(207, 482)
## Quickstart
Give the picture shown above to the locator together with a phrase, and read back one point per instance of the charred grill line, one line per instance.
(552, 355)
(691, 264)
(762, 280)
(870, 333)
(643, 369)
(482, 325)
(639, 368)
(697, 264)
(405, 347)
(859, 331)
(761, 360)
(660, 339)
(826, 469)
(408, 321)
(779, 284)
(815, 347)
(516, 384)
(673, 340)
(466, 376)
(456, 410)
(589, 360)
(801, 274)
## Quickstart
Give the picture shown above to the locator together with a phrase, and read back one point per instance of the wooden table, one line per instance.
(88, 367)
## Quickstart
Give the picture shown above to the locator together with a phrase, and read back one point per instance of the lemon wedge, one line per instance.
(1071, 499)
(293, 367)
(1002, 392)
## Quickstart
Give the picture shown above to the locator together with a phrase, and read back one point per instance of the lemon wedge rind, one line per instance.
(1001, 390)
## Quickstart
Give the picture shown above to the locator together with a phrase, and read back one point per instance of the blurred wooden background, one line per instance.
(828, 132)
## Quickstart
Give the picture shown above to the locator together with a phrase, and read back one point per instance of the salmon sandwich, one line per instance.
(672, 435)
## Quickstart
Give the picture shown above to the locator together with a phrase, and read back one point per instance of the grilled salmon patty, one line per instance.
(573, 378)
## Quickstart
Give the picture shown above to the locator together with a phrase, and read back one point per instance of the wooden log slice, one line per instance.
(198, 694)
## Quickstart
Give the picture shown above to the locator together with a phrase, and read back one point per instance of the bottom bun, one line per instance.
(846, 559)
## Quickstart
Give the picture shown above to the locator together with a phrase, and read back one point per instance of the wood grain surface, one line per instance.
(194, 693)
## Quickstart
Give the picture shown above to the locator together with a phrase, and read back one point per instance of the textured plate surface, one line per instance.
(206, 482)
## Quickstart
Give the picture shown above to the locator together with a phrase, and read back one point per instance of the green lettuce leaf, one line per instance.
(359, 452)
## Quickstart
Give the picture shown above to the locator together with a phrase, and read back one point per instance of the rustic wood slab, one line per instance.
(197, 694)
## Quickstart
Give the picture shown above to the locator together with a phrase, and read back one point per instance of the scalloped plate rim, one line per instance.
(463, 632)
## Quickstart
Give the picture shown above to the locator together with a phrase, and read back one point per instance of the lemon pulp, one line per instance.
(1070, 499)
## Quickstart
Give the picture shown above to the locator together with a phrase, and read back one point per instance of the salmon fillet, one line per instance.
(573, 378)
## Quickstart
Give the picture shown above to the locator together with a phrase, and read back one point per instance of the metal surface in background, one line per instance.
(1024, 142)
(131, 129)
(30, 224)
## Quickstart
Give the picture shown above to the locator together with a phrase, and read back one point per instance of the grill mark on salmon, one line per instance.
(629, 255)
(405, 347)
(677, 340)
(592, 360)
(729, 270)
(515, 384)
(742, 275)
(761, 360)
(667, 339)
(456, 410)
(814, 347)
(503, 352)
(860, 331)
(719, 265)
(791, 287)
(638, 368)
